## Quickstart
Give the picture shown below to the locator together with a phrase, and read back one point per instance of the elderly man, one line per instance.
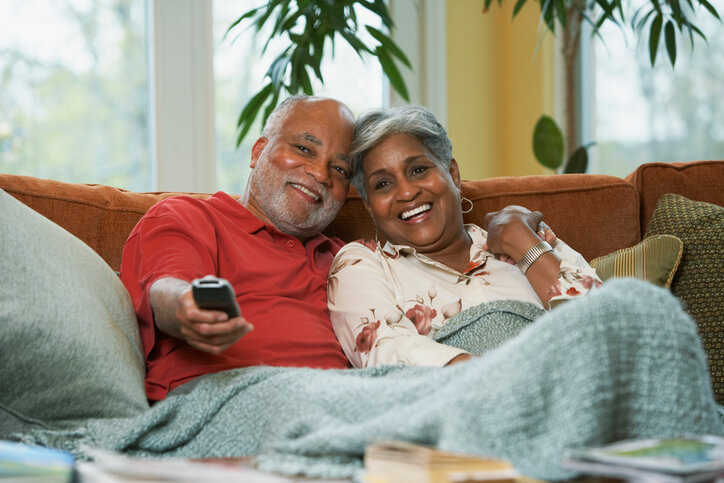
(267, 244)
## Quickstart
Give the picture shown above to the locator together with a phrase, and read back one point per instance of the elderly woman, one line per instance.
(387, 303)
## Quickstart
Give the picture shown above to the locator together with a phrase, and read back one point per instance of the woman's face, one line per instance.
(413, 200)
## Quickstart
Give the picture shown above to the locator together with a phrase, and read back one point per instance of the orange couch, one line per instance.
(595, 214)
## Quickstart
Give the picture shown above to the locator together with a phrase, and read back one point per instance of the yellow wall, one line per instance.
(500, 80)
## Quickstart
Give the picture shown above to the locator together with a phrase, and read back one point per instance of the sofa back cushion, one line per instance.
(594, 214)
(101, 216)
(699, 181)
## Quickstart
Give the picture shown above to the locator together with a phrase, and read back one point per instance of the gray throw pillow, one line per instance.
(69, 342)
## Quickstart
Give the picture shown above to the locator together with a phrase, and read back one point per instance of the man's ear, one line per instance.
(256, 150)
(455, 172)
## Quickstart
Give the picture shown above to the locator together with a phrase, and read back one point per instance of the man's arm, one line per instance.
(176, 314)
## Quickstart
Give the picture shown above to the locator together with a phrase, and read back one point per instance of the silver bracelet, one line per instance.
(532, 255)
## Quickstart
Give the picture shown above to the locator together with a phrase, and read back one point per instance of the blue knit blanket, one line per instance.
(624, 361)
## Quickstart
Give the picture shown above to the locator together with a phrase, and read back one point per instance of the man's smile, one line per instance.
(306, 191)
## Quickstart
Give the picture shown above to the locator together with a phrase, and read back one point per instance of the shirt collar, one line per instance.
(477, 235)
(251, 224)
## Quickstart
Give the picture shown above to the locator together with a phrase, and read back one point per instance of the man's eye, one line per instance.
(341, 171)
(303, 149)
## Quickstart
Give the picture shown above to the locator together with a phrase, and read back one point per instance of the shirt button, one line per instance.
(290, 243)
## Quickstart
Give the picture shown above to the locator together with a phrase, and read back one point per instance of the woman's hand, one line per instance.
(509, 231)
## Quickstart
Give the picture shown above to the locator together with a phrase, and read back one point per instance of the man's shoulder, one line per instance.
(183, 206)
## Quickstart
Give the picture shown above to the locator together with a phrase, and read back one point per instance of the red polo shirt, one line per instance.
(280, 285)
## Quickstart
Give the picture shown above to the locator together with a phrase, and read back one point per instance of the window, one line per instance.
(239, 72)
(143, 94)
(643, 114)
(73, 91)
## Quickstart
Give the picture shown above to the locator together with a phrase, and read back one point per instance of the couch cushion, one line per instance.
(69, 342)
(700, 181)
(594, 214)
(654, 260)
(698, 280)
(101, 216)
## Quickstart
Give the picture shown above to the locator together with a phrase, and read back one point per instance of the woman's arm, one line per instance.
(556, 275)
(368, 319)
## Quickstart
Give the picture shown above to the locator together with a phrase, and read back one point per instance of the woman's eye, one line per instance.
(419, 169)
(381, 184)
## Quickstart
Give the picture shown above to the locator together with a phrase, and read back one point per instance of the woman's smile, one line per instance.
(416, 214)
(412, 197)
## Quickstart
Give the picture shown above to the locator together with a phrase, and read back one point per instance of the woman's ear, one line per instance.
(455, 172)
(369, 208)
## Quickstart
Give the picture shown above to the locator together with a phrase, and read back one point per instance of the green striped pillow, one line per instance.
(655, 260)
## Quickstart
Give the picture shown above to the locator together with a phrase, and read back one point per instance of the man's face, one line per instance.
(299, 177)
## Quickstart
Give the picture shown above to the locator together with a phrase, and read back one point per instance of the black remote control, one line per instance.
(212, 293)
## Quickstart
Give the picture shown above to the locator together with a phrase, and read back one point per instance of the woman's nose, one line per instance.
(406, 190)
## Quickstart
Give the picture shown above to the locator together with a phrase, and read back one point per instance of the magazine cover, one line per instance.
(677, 455)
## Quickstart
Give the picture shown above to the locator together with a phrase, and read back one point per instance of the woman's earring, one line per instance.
(463, 200)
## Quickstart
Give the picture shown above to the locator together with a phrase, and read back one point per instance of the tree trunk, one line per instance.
(569, 49)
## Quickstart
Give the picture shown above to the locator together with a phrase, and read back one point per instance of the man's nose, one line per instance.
(318, 170)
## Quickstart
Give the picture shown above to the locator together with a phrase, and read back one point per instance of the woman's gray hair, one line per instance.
(376, 124)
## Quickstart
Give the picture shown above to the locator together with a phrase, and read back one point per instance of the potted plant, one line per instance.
(673, 18)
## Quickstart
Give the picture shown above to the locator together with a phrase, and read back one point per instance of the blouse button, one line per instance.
(290, 243)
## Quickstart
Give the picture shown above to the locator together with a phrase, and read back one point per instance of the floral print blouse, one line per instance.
(387, 303)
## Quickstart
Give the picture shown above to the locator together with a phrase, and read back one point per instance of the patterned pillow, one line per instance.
(655, 260)
(699, 281)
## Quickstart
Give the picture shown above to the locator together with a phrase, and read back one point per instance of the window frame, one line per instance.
(181, 112)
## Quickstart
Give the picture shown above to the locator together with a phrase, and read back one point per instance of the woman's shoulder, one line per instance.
(363, 245)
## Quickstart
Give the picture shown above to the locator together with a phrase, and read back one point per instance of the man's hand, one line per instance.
(177, 315)
(510, 228)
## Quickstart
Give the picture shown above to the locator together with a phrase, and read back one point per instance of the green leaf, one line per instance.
(270, 107)
(654, 36)
(389, 44)
(518, 5)
(710, 8)
(236, 22)
(547, 13)
(250, 111)
(392, 73)
(670, 37)
(548, 142)
(578, 162)
(278, 69)
(560, 11)
(356, 43)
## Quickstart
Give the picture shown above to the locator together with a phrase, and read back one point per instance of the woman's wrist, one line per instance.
(533, 254)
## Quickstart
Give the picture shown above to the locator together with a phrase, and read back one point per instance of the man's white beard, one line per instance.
(268, 188)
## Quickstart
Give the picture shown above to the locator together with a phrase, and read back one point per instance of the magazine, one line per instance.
(686, 459)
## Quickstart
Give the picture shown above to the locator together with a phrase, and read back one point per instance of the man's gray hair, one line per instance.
(276, 118)
(376, 124)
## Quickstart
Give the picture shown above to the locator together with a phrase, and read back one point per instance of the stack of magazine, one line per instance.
(677, 460)
(402, 462)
